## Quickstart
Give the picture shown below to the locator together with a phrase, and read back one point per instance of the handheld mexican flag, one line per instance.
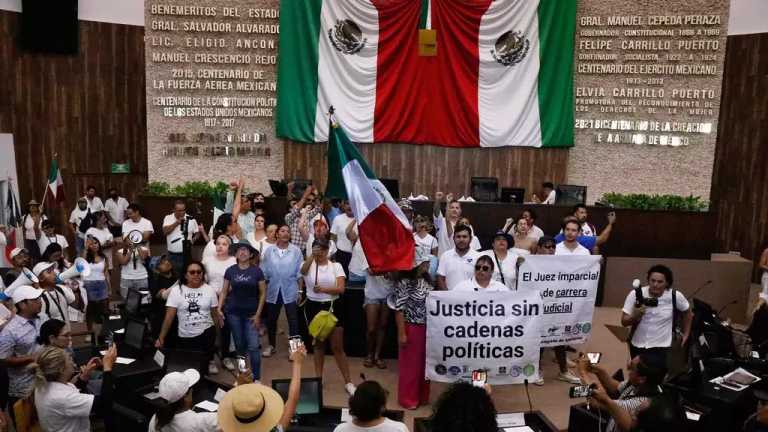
(55, 184)
(384, 232)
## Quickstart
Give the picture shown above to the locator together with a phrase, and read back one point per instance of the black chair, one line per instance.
(513, 195)
(485, 189)
(570, 195)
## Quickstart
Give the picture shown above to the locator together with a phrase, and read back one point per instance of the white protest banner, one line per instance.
(568, 287)
(496, 332)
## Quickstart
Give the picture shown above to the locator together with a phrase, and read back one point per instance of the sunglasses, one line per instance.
(195, 272)
(482, 267)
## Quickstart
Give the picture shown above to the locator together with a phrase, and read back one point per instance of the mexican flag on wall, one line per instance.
(385, 233)
(502, 73)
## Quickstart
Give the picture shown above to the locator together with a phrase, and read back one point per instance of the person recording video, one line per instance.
(655, 316)
(623, 400)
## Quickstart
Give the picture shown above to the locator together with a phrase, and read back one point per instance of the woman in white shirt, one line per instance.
(96, 284)
(194, 302)
(482, 281)
(258, 238)
(505, 269)
(324, 281)
(32, 222)
(103, 234)
(215, 267)
(366, 407)
(60, 405)
(424, 240)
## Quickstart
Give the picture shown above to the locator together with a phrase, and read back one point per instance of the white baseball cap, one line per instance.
(17, 251)
(41, 267)
(25, 292)
(176, 384)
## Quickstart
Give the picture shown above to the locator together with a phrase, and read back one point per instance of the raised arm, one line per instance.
(436, 206)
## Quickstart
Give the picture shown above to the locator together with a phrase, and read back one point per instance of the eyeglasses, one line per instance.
(482, 267)
(193, 272)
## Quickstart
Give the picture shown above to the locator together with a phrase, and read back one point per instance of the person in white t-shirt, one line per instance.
(215, 267)
(174, 227)
(654, 326)
(424, 240)
(102, 233)
(75, 218)
(96, 284)
(366, 407)
(549, 193)
(444, 224)
(324, 282)
(320, 231)
(56, 298)
(504, 260)
(32, 223)
(258, 237)
(457, 264)
(115, 206)
(60, 405)
(344, 233)
(94, 202)
(571, 246)
(136, 222)
(195, 304)
(49, 236)
(482, 281)
(133, 272)
(534, 232)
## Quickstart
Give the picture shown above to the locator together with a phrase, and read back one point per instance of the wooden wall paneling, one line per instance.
(740, 177)
(426, 169)
(88, 109)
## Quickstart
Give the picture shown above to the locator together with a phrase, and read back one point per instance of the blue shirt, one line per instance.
(588, 242)
(19, 339)
(282, 268)
(332, 213)
(243, 294)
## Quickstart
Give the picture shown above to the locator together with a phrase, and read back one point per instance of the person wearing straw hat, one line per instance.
(258, 408)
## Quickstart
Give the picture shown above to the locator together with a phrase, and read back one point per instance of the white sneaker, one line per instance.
(350, 388)
(268, 351)
(212, 368)
(228, 363)
(539, 382)
(569, 378)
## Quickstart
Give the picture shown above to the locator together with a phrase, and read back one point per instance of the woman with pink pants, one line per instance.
(409, 300)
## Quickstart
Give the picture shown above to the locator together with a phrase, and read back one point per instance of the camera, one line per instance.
(479, 378)
(581, 391)
(650, 301)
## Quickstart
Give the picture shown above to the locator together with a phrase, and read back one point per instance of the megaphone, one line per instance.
(136, 237)
(80, 268)
(25, 278)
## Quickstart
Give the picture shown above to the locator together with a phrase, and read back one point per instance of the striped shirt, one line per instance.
(629, 401)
